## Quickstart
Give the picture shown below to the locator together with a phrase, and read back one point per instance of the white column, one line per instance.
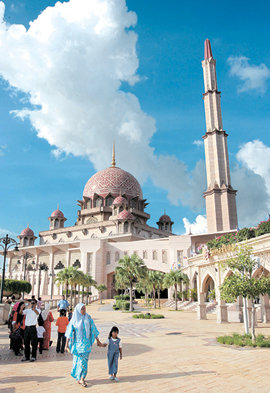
(265, 308)
(51, 272)
(201, 310)
(68, 258)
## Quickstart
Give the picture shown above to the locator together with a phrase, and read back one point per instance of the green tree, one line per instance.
(144, 286)
(101, 288)
(156, 281)
(241, 282)
(63, 278)
(89, 282)
(130, 270)
(173, 279)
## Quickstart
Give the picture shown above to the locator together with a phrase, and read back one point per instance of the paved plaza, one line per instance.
(177, 354)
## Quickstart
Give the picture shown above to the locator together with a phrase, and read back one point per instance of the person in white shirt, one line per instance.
(30, 332)
(40, 333)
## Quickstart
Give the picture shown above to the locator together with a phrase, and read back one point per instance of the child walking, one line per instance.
(40, 333)
(62, 323)
(114, 350)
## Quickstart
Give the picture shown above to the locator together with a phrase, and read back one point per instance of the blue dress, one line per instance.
(81, 347)
(113, 355)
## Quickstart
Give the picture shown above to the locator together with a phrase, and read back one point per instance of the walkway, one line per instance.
(177, 354)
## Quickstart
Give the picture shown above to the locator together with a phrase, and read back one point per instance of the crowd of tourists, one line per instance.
(29, 324)
(30, 331)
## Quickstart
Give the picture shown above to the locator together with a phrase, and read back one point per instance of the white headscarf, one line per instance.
(78, 320)
(45, 312)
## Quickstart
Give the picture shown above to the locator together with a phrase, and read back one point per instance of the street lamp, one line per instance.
(6, 243)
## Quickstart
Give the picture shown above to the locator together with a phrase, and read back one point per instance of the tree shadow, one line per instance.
(149, 377)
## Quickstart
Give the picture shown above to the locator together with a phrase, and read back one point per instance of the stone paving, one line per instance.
(177, 354)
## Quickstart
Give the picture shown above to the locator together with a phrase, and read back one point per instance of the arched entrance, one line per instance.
(111, 291)
(208, 288)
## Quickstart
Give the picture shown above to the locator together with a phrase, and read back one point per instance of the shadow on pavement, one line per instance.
(148, 377)
(52, 356)
(27, 378)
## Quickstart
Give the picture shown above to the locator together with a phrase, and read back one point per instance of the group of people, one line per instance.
(30, 323)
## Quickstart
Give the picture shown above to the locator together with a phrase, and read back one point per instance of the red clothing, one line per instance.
(47, 334)
(17, 324)
(62, 323)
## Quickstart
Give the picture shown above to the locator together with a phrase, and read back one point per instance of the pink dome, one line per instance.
(112, 180)
(57, 213)
(125, 215)
(119, 201)
(27, 232)
(165, 218)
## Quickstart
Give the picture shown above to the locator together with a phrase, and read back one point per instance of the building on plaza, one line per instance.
(112, 222)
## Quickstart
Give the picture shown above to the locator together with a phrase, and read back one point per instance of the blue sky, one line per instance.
(170, 42)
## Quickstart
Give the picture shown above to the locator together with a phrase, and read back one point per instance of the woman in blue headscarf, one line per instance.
(81, 334)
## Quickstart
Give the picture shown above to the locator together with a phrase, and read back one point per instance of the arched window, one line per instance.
(25, 241)
(164, 256)
(117, 256)
(166, 227)
(144, 254)
(154, 255)
(89, 204)
(56, 223)
(109, 201)
(98, 202)
(121, 209)
(108, 258)
(31, 241)
(126, 227)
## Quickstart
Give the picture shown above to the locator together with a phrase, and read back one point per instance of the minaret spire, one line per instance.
(207, 49)
(220, 197)
(113, 155)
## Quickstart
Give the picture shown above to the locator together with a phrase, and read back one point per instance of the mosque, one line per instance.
(112, 221)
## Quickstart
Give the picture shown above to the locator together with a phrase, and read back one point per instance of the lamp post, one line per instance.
(26, 256)
(6, 243)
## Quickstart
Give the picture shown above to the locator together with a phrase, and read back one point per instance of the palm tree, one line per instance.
(63, 277)
(74, 279)
(144, 285)
(159, 276)
(89, 282)
(129, 270)
(174, 278)
(101, 288)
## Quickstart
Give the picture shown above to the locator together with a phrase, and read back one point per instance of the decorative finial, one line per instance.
(164, 211)
(57, 206)
(207, 49)
(113, 156)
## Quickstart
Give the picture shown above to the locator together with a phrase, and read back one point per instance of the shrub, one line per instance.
(245, 234)
(148, 316)
(263, 228)
(193, 294)
(245, 340)
(185, 294)
(122, 304)
(17, 286)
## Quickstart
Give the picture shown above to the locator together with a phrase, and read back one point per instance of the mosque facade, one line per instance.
(112, 221)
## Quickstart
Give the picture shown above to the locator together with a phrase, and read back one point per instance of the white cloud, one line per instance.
(197, 226)
(4, 232)
(71, 63)
(254, 77)
(198, 143)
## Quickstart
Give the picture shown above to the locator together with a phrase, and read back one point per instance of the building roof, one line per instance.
(165, 218)
(57, 213)
(114, 181)
(27, 232)
(119, 201)
(125, 215)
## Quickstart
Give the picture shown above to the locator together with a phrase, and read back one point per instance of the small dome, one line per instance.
(165, 218)
(119, 201)
(27, 232)
(57, 213)
(125, 215)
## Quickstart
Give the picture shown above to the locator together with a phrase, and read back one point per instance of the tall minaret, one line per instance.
(220, 197)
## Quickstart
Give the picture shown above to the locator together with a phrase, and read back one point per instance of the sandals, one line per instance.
(84, 384)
